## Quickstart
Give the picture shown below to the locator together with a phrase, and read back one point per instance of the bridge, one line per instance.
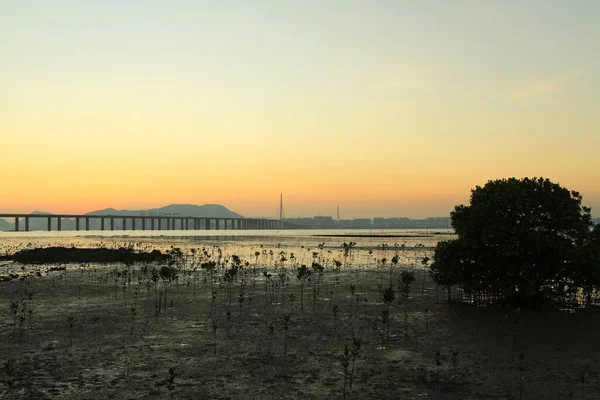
(138, 222)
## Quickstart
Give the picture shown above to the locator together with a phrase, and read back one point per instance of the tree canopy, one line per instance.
(522, 242)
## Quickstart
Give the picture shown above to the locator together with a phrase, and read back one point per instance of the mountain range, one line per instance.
(179, 210)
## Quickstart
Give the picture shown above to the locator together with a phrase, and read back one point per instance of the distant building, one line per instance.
(323, 222)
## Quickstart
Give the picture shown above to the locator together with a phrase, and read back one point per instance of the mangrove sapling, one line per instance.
(385, 317)
(215, 327)
(383, 261)
(132, 313)
(168, 275)
(375, 330)
(388, 297)
(356, 346)
(270, 332)
(584, 372)
(438, 364)
(229, 277)
(394, 262)
(11, 374)
(424, 263)
(30, 308)
(155, 276)
(136, 293)
(127, 363)
(125, 292)
(171, 381)
(454, 366)
(334, 311)
(14, 309)
(406, 278)
(318, 270)
(303, 275)
(346, 367)
(240, 302)
(21, 318)
(71, 322)
(228, 315)
(286, 320)
(292, 298)
(521, 377)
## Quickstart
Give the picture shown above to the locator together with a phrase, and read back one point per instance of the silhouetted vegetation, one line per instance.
(523, 242)
(47, 255)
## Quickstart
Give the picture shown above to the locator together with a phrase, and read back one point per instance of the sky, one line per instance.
(383, 108)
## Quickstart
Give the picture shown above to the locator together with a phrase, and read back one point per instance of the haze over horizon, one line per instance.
(385, 108)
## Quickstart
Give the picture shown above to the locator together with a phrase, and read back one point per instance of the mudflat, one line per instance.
(195, 330)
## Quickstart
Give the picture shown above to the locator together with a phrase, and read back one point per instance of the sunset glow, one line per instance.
(381, 108)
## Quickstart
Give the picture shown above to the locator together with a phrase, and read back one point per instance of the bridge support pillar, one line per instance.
(87, 223)
(59, 224)
(76, 223)
(102, 223)
(16, 224)
(27, 224)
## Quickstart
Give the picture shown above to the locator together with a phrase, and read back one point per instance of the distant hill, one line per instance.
(181, 210)
(4, 226)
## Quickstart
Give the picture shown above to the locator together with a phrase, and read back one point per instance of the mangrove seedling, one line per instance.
(388, 297)
(292, 298)
(345, 366)
(303, 275)
(71, 322)
(438, 364)
(406, 278)
(521, 377)
(171, 381)
(385, 317)
(215, 326)
(334, 311)
(356, 345)
(455, 366)
(10, 372)
(240, 302)
(132, 317)
(14, 309)
(584, 372)
(228, 315)
(286, 320)
(270, 332)
(375, 329)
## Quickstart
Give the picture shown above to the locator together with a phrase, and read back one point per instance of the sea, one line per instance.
(365, 246)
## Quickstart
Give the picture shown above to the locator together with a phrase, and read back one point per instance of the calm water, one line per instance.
(412, 245)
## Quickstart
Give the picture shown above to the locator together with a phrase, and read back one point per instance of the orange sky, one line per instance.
(380, 110)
